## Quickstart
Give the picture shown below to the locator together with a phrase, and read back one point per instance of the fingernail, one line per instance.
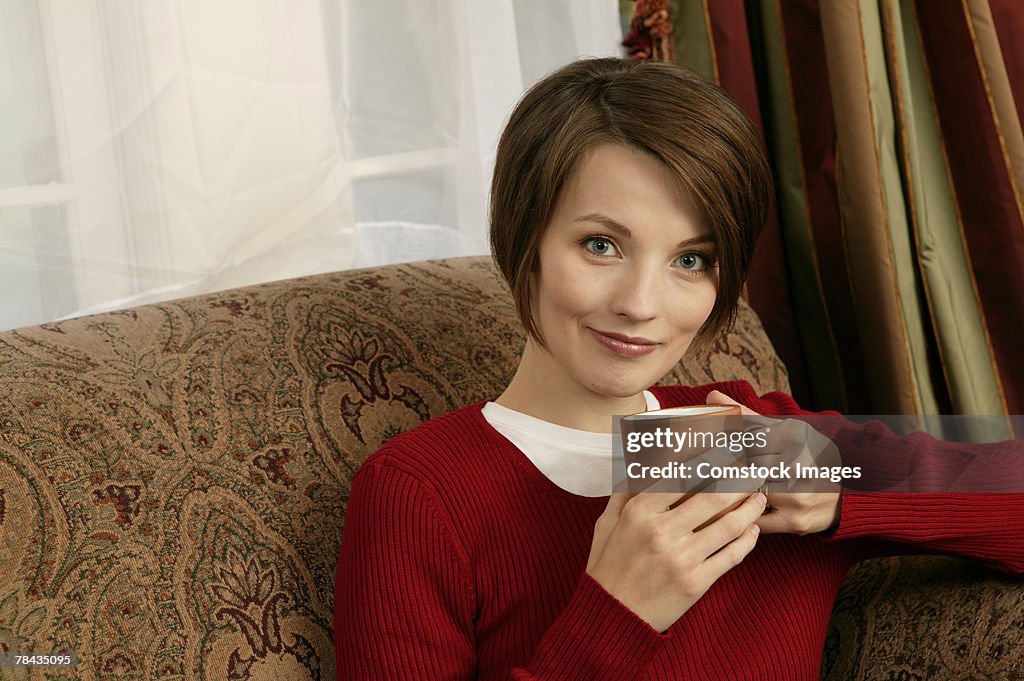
(755, 529)
(762, 499)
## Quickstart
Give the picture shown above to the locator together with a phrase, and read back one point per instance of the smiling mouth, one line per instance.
(626, 346)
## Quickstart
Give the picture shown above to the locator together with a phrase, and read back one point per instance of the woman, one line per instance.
(484, 544)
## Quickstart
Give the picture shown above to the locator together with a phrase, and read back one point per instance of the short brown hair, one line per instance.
(666, 111)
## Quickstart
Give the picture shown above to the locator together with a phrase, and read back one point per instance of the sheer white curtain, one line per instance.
(160, 149)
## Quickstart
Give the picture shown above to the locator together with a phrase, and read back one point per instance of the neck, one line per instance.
(540, 389)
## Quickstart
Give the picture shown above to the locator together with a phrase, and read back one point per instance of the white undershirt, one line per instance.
(578, 461)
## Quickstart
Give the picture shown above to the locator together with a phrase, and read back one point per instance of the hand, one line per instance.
(805, 506)
(648, 553)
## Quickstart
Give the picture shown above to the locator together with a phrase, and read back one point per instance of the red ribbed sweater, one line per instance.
(461, 560)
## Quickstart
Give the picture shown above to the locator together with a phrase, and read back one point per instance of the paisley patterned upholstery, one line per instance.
(919, 618)
(173, 478)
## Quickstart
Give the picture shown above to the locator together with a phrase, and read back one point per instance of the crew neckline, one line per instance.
(554, 432)
(592, 443)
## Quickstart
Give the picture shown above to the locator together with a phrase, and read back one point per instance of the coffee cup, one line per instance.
(664, 447)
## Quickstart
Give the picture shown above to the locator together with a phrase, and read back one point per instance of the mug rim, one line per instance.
(693, 410)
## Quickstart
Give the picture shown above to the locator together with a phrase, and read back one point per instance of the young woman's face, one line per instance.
(627, 274)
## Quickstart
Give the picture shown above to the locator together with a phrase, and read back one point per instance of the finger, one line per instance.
(707, 508)
(720, 531)
(727, 468)
(773, 522)
(718, 397)
(658, 497)
(727, 486)
(777, 493)
(797, 513)
(732, 554)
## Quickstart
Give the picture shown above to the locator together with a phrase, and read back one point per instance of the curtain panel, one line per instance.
(160, 149)
(891, 278)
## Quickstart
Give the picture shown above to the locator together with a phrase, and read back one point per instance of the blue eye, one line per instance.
(599, 245)
(695, 262)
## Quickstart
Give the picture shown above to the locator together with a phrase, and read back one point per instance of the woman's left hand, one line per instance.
(806, 506)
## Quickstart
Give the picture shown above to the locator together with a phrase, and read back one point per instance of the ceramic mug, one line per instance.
(667, 439)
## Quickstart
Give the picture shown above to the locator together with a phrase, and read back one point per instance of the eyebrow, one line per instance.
(616, 226)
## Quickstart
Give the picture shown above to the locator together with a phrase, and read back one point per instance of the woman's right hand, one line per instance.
(650, 555)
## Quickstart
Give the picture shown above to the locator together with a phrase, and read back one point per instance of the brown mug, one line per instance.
(692, 431)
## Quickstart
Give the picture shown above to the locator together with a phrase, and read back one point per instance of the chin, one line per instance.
(621, 388)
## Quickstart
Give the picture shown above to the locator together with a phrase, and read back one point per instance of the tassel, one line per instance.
(650, 32)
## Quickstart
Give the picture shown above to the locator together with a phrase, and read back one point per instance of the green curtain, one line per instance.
(891, 279)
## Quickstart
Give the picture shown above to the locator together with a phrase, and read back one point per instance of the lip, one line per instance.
(626, 346)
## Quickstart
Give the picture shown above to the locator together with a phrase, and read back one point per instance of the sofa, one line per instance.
(173, 479)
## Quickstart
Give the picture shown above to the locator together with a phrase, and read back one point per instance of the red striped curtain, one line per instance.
(891, 279)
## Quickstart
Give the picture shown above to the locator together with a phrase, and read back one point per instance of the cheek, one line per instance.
(564, 303)
(695, 311)
(568, 292)
(709, 305)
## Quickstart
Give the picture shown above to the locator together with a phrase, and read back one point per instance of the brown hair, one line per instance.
(666, 111)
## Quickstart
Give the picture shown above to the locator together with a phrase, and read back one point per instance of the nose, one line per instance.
(637, 293)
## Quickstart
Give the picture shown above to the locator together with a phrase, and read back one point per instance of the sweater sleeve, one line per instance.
(403, 599)
(595, 637)
(404, 602)
(904, 510)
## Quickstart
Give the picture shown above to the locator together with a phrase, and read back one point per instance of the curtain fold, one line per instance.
(894, 127)
(173, 147)
(730, 56)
